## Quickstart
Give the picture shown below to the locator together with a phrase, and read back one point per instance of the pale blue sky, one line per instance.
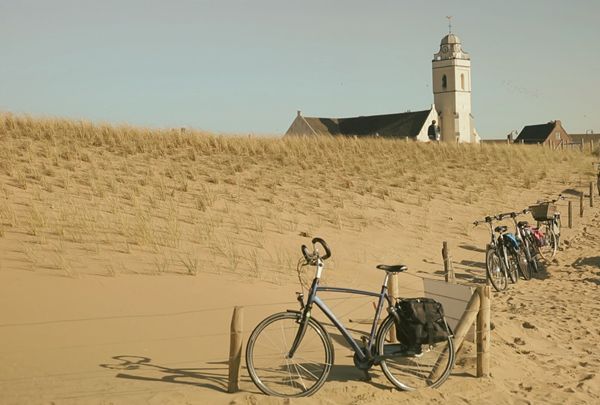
(247, 66)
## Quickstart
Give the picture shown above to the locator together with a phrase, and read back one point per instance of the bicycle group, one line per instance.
(510, 256)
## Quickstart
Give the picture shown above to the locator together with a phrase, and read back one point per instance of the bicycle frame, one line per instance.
(314, 299)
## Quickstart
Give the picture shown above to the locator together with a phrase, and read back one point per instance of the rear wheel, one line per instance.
(495, 270)
(408, 370)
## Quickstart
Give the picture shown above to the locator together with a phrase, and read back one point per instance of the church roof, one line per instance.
(407, 124)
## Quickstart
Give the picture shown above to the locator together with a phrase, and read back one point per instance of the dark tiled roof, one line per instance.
(388, 125)
(535, 133)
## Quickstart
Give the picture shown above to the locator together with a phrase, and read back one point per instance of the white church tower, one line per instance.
(452, 91)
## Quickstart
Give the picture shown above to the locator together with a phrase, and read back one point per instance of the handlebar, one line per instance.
(312, 257)
(487, 219)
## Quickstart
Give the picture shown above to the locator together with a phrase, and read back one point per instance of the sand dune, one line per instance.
(123, 252)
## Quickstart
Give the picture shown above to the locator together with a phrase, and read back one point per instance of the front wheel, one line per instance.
(548, 250)
(495, 270)
(524, 261)
(514, 264)
(271, 368)
(411, 370)
(534, 263)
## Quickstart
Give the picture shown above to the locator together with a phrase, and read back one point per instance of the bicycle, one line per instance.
(290, 354)
(526, 247)
(549, 223)
(501, 259)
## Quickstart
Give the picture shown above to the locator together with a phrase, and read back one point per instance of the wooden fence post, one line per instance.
(393, 292)
(591, 194)
(570, 212)
(235, 349)
(483, 331)
(448, 269)
(591, 146)
(462, 327)
(581, 204)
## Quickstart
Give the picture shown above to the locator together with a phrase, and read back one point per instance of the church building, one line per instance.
(451, 108)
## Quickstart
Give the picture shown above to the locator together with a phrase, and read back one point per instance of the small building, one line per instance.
(552, 134)
(586, 139)
(412, 125)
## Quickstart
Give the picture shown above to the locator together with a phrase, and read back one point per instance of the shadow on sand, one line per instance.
(142, 368)
(593, 261)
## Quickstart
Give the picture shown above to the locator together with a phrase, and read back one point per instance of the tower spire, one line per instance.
(449, 17)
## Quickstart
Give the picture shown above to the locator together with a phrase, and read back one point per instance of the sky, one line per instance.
(235, 66)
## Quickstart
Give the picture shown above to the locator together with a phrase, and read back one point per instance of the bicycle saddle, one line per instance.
(398, 268)
(521, 224)
(501, 228)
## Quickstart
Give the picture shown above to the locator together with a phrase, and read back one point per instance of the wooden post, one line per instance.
(591, 146)
(393, 292)
(448, 270)
(581, 204)
(591, 194)
(235, 349)
(462, 327)
(570, 212)
(483, 331)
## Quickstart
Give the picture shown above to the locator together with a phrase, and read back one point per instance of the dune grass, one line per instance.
(101, 199)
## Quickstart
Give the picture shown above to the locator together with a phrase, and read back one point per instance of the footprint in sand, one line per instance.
(519, 341)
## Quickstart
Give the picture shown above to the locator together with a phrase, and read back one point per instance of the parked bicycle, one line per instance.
(501, 255)
(527, 250)
(290, 354)
(549, 223)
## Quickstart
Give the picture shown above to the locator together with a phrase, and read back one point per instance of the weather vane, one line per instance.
(449, 17)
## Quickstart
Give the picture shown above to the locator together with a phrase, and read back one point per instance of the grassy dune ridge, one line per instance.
(79, 198)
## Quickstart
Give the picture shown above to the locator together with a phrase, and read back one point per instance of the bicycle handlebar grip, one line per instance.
(325, 246)
(305, 253)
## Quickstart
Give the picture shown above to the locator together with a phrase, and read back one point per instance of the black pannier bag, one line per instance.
(421, 321)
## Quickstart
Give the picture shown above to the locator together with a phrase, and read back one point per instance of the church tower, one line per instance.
(452, 91)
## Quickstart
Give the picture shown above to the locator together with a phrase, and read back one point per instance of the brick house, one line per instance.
(551, 134)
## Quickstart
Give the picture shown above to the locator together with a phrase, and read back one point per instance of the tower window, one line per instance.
(444, 82)
(462, 81)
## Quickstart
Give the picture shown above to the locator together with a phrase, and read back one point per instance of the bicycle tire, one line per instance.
(533, 252)
(548, 251)
(413, 372)
(557, 227)
(495, 270)
(524, 260)
(289, 378)
(514, 265)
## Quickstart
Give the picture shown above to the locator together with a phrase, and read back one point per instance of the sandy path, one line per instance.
(161, 340)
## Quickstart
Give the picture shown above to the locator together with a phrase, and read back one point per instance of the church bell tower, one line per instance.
(452, 91)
